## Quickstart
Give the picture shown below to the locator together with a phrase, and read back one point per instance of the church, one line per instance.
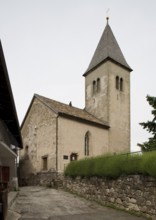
(56, 133)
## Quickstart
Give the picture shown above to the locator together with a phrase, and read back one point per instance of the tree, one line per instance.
(150, 126)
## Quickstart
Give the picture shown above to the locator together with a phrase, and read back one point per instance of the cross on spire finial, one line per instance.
(107, 15)
(107, 19)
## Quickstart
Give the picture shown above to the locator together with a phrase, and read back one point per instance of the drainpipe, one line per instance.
(57, 144)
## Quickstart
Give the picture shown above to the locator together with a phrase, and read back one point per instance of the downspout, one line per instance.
(57, 144)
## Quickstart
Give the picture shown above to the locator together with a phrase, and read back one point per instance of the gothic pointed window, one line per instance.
(98, 85)
(86, 147)
(117, 82)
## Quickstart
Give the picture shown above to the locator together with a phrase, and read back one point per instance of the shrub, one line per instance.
(132, 164)
(79, 168)
(108, 166)
(113, 166)
(149, 163)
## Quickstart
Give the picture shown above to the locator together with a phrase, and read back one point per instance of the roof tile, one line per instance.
(68, 110)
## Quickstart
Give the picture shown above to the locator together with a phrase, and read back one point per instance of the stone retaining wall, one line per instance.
(131, 193)
(48, 179)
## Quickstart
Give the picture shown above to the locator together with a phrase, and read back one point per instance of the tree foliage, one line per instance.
(150, 126)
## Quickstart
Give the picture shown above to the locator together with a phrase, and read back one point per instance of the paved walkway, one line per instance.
(39, 203)
(11, 197)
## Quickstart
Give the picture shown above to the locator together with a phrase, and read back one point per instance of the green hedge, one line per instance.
(114, 166)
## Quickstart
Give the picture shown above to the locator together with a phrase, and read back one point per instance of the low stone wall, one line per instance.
(131, 193)
(48, 179)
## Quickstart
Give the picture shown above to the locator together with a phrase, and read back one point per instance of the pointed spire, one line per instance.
(107, 48)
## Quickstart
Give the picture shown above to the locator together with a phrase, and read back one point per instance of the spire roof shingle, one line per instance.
(107, 48)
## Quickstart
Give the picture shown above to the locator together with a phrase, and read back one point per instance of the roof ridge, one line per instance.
(58, 102)
(72, 112)
(38, 97)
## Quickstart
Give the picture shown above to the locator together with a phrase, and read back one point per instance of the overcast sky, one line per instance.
(48, 45)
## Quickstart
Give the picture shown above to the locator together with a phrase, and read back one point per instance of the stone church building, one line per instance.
(55, 133)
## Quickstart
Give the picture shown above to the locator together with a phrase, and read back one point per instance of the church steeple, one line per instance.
(107, 49)
(107, 90)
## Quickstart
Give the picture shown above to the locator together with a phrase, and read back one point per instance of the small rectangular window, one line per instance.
(45, 163)
(65, 157)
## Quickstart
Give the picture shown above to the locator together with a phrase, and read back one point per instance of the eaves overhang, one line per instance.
(8, 112)
(82, 120)
(104, 61)
(6, 152)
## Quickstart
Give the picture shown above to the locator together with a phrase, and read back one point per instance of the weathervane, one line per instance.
(107, 15)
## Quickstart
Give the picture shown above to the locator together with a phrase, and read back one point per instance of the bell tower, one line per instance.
(107, 90)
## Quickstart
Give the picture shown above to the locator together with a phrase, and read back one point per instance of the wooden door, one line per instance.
(4, 174)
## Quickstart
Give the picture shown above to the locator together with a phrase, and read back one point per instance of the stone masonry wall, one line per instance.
(131, 193)
(47, 178)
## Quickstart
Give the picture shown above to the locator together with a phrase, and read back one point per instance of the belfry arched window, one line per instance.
(117, 82)
(121, 84)
(98, 85)
(86, 144)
